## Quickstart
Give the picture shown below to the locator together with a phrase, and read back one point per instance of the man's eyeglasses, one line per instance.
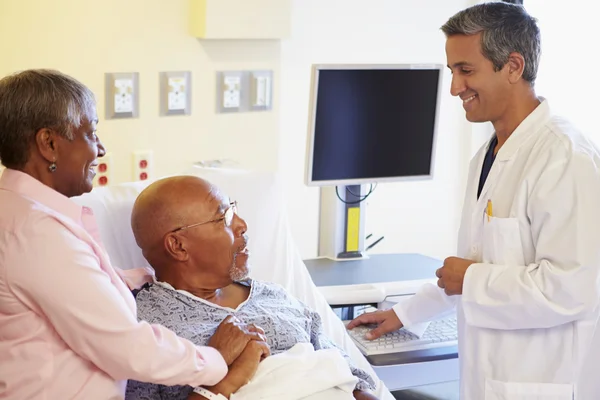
(227, 217)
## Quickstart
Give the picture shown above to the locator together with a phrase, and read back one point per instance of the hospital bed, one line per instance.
(274, 255)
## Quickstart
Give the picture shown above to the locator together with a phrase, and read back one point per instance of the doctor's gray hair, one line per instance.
(35, 99)
(505, 28)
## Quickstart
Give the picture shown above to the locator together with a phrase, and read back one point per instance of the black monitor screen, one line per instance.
(371, 124)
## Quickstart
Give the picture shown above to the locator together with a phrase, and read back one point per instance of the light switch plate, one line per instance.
(122, 95)
(175, 93)
(261, 90)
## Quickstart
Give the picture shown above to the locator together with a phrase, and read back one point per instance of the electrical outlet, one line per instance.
(124, 97)
(230, 91)
(104, 171)
(143, 165)
(176, 93)
(121, 95)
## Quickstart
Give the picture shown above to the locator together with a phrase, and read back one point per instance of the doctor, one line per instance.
(525, 283)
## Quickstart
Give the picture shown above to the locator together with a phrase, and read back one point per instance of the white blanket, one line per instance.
(301, 373)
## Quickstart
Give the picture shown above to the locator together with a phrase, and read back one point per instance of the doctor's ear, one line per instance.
(515, 66)
(175, 247)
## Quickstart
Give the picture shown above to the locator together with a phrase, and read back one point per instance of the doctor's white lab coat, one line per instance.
(528, 312)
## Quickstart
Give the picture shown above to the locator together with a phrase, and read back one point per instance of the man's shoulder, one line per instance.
(158, 305)
(566, 135)
(150, 291)
(271, 291)
(145, 287)
(554, 143)
(152, 301)
(267, 287)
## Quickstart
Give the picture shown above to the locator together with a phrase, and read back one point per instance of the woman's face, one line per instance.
(77, 160)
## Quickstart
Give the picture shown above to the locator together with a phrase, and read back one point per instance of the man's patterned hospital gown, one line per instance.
(285, 320)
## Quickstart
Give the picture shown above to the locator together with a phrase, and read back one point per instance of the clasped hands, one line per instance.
(243, 347)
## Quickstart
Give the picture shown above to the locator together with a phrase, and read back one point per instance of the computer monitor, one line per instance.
(367, 124)
(372, 123)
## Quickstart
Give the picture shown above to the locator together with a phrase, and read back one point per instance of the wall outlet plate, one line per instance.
(122, 95)
(175, 93)
(261, 90)
(143, 165)
(231, 91)
(104, 171)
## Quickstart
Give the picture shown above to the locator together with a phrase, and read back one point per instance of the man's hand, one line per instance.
(245, 366)
(452, 274)
(232, 336)
(387, 321)
(241, 370)
(362, 395)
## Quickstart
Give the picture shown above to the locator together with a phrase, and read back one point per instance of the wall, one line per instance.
(86, 38)
(568, 75)
(413, 216)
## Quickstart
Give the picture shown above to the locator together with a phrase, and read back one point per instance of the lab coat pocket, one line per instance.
(502, 241)
(497, 390)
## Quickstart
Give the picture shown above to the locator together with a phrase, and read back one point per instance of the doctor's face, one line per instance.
(484, 92)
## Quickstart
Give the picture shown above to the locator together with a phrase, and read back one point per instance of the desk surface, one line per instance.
(410, 357)
(377, 268)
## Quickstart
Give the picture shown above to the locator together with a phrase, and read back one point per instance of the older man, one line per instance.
(192, 236)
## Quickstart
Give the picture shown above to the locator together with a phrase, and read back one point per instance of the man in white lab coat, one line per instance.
(525, 284)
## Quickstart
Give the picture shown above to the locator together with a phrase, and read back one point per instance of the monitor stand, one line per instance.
(342, 223)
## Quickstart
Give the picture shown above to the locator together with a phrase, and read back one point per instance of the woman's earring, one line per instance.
(52, 167)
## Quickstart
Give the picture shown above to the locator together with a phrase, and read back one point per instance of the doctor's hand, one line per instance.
(386, 320)
(452, 274)
(232, 336)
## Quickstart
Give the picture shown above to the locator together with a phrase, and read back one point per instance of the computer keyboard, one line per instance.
(439, 333)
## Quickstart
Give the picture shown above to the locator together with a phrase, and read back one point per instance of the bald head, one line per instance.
(210, 253)
(168, 204)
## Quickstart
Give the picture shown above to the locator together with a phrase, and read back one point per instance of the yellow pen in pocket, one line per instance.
(489, 209)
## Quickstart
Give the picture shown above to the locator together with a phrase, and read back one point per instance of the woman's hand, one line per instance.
(241, 370)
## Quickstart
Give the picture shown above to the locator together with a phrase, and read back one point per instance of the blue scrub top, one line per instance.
(487, 164)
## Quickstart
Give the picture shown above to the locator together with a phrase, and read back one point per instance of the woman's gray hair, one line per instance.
(35, 99)
(505, 28)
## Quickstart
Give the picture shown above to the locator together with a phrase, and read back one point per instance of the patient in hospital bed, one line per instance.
(190, 233)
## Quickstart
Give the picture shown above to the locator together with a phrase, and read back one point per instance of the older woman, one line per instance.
(68, 326)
